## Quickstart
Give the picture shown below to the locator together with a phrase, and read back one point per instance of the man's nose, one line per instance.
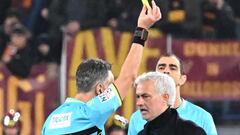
(166, 72)
(138, 101)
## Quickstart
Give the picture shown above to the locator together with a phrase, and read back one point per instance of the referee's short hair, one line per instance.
(90, 72)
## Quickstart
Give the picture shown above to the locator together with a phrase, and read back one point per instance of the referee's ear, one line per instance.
(182, 80)
(99, 88)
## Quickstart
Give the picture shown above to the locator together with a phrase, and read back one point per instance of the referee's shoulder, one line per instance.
(197, 108)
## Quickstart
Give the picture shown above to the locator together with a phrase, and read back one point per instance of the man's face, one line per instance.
(44, 49)
(19, 40)
(9, 23)
(170, 65)
(149, 101)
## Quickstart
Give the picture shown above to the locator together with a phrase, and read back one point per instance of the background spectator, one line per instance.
(217, 20)
(38, 17)
(12, 18)
(25, 9)
(235, 6)
(74, 15)
(43, 50)
(128, 16)
(181, 18)
(17, 55)
(114, 10)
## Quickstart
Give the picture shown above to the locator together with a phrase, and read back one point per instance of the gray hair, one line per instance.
(90, 72)
(163, 84)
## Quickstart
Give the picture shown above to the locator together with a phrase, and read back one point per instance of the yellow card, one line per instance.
(145, 2)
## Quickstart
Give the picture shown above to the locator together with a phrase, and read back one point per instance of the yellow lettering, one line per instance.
(212, 69)
(188, 49)
(1, 76)
(155, 33)
(12, 93)
(205, 89)
(236, 92)
(235, 89)
(236, 49)
(201, 49)
(188, 89)
(149, 53)
(211, 89)
(84, 44)
(116, 58)
(128, 105)
(39, 112)
(226, 86)
(216, 87)
(225, 50)
(25, 109)
(72, 89)
(24, 85)
(215, 49)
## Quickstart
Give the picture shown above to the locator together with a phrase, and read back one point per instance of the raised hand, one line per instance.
(149, 15)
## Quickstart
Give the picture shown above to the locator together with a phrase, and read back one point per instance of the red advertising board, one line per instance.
(212, 67)
(34, 97)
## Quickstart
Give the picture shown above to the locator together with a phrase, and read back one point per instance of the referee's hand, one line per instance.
(149, 15)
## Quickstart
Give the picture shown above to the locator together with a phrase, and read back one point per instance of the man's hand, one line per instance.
(149, 15)
(72, 27)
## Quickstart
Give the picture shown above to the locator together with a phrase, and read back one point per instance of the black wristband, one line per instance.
(140, 35)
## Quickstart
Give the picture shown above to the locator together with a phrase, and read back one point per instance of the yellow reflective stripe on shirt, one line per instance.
(113, 86)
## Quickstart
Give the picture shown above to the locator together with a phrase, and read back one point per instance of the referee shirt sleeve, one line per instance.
(102, 106)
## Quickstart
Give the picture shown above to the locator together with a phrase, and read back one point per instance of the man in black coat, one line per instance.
(17, 55)
(156, 94)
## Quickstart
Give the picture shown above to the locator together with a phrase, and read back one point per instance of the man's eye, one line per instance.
(161, 68)
(173, 68)
(145, 97)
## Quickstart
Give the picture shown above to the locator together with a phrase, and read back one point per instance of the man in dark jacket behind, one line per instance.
(155, 96)
(17, 55)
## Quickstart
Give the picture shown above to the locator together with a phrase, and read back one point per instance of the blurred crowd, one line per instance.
(31, 31)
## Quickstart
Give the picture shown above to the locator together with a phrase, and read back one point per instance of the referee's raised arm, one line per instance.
(148, 16)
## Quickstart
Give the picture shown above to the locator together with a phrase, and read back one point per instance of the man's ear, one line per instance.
(182, 80)
(165, 97)
(99, 88)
